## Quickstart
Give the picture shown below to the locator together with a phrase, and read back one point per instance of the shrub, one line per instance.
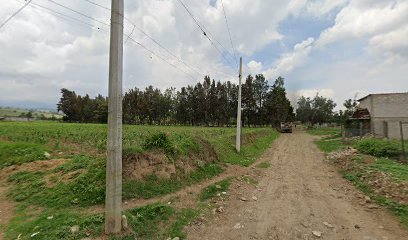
(159, 141)
(378, 147)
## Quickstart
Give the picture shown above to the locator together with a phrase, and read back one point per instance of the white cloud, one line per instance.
(390, 45)
(288, 61)
(41, 53)
(365, 18)
(322, 7)
(327, 93)
(254, 67)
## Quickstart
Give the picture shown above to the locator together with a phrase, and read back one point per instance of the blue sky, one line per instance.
(339, 48)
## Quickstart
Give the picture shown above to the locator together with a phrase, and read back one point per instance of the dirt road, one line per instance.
(300, 193)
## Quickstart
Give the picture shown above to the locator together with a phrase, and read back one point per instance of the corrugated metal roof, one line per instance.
(361, 114)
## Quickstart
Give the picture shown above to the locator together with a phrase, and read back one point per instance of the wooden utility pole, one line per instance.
(113, 201)
(238, 139)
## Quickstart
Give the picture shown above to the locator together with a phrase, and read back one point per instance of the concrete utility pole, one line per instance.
(238, 139)
(113, 201)
(403, 154)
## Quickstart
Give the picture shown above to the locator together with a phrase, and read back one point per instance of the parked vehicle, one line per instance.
(286, 127)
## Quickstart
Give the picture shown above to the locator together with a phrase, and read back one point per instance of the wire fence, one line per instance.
(356, 132)
(387, 127)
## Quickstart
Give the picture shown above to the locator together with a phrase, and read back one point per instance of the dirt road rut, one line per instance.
(300, 196)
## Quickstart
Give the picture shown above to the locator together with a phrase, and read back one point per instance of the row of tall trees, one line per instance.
(207, 103)
(83, 109)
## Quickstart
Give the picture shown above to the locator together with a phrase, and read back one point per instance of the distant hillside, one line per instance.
(36, 113)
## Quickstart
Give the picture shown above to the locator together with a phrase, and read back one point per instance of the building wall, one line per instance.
(393, 127)
(391, 108)
(367, 103)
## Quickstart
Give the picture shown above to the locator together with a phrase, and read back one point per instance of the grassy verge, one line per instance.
(153, 186)
(215, 189)
(367, 176)
(328, 146)
(16, 153)
(36, 223)
(156, 221)
(263, 165)
(398, 209)
(392, 168)
(252, 147)
(323, 131)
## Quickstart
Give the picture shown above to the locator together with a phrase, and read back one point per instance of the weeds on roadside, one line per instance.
(212, 190)
(16, 153)
(378, 147)
(263, 165)
(396, 208)
(328, 146)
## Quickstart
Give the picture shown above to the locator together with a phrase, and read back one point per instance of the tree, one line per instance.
(277, 105)
(131, 105)
(248, 102)
(323, 109)
(182, 106)
(100, 109)
(350, 106)
(207, 103)
(317, 110)
(69, 105)
(304, 110)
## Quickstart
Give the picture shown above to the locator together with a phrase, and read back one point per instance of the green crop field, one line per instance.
(65, 190)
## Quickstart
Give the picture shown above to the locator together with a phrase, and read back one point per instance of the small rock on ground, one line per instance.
(74, 229)
(317, 233)
(328, 225)
(238, 226)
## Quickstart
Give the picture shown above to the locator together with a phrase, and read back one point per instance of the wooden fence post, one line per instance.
(361, 129)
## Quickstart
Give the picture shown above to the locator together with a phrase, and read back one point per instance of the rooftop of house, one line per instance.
(381, 94)
(361, 113)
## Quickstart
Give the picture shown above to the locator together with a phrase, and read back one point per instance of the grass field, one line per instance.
(78, 181)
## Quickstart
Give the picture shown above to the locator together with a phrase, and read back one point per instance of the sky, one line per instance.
(338, 48)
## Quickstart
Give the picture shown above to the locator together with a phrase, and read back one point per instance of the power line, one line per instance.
(77, 12)
(166, 49)
(229, 32)
(163, 59)
(93, 27)
(193, 68)
(58, 14)
(206, 32)
(97, 4)
(190, 66)
(15, 14)
(63, 16)
(130, 38)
